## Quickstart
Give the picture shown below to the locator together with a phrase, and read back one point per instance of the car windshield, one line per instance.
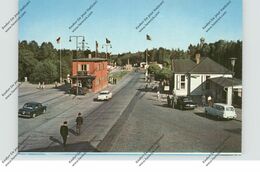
(187, 99)
(230, 109)
(103, 93)
(28, 106)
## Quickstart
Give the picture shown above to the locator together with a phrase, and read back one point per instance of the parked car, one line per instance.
(104, 95)
(221, 111)
(32, 109)
(81, 90)
(185, 102)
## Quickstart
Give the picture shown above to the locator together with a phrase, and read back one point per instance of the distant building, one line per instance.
(204, 77)
(90, 72)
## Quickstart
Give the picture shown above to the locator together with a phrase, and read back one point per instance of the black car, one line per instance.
(32, 109)
(185, 103)
(81, 90)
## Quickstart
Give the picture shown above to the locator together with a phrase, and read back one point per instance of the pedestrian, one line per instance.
(209, 100)
(64, 132)
(42, 85)
(168, 100)
(79, 122)
(174, 100)
(203, 100)
(56, 84)
(158, 96)
(39, 85)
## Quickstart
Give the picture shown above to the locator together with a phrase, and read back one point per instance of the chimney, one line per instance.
(197, 58)
(89, 56)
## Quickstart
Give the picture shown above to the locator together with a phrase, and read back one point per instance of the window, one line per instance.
(177, 82)
(83, 67)
(182, 82)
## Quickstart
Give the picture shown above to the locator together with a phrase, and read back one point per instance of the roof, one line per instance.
(183, 65)
(89, 60)
(209, 66)
(206, 66)
(226, 82)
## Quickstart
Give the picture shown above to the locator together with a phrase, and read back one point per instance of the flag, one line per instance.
(96, 45)
(107, 41)
(58, 40)
(148, 37)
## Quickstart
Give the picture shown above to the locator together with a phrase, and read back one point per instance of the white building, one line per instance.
(200, 77)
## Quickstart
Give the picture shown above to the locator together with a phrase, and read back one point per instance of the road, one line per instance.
(99, 117)
(130, 122)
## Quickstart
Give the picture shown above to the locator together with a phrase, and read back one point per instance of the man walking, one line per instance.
(203, 100)
(64, 131)
(79, 122)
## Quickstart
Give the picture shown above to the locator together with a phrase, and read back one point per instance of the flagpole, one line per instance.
(60, 65)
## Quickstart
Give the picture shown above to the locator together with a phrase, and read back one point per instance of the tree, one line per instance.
(45, 71)
(154, 69)
(26, 64)
(164, 73)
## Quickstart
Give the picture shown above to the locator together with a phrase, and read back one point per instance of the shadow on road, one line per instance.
(163, 105)
(75, 147)
(73, 132)
(55, 140)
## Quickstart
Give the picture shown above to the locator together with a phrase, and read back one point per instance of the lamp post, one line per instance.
(233, 63)
(107, 45)
(77, 47)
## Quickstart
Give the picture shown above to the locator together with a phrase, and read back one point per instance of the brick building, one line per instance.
(90, 73)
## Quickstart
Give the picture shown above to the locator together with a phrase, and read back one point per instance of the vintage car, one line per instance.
(221, 110)
(31, 110)
(104, 95)
(185, 102)
(80, 90)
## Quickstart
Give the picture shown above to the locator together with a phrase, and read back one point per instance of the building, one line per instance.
(204, 77)
(90, 73)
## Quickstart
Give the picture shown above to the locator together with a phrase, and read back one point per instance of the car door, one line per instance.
(214, 110)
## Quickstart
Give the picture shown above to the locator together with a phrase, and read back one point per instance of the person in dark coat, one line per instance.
(169, 100)
(79, 122)
(64, 132)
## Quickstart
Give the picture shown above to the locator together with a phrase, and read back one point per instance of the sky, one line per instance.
(176, 23)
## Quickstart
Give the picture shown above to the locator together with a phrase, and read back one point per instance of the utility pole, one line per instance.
(233, 63)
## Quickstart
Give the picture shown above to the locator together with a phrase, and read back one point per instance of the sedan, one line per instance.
(104, 95)
(32, 109)
(185, 103)
(221, 110)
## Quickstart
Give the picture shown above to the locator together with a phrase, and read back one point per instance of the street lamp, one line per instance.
(107, 45)
(233, 63)
(77, 47)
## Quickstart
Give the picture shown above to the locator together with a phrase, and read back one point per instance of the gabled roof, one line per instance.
(209, 66)
(206, 66)
(183, 65)
(226, 82)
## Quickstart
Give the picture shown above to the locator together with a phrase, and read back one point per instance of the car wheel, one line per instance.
(34, 115)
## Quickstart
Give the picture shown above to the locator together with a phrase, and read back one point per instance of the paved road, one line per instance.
(131, 122)
(178, 131)
(99, 117)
